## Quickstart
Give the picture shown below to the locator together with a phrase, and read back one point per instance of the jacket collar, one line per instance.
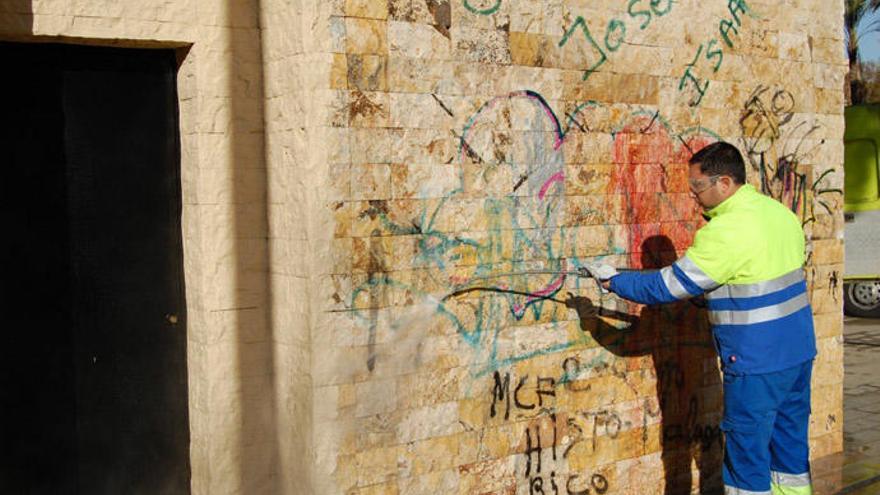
(728, 204)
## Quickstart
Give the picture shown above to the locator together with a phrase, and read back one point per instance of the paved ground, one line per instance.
(862, 386)
(857, 470)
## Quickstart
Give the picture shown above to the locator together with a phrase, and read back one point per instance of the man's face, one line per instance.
(708, 190)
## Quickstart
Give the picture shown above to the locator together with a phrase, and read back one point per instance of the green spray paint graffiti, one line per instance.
(714, 51)
(483, 10)
(615, 31)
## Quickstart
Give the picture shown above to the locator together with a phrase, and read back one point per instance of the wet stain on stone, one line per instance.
(376, 269)
(366, 72)
(442, 12)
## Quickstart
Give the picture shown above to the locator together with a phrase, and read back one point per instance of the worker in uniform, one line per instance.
(748, 263)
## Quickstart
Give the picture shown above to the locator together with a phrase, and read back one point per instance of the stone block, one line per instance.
(365, 36)
(827, 301)
(377, 466)
(371, 9)
(829, 101)
(826, 50)
(367, 72)
(418, 41)
(426, 422)
(827, 251)
(828, 325)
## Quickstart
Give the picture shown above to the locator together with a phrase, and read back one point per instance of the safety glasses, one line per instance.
(699, 186)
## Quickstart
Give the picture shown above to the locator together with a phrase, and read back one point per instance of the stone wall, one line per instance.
(380, 196)
(474, 146)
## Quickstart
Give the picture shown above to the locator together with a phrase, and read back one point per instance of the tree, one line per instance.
(856, 10)
(871, 78)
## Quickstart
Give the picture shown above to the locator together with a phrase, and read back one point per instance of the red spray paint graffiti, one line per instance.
(649, 188)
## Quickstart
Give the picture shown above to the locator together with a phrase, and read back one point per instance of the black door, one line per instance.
(93, 384)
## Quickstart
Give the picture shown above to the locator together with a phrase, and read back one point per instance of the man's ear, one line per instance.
(727, 181)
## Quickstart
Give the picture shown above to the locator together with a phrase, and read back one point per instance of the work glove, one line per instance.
(601, 271)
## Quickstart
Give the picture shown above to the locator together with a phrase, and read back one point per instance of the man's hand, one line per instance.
(601, 272)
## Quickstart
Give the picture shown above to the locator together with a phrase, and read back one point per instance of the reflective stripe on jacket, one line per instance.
(748, 260)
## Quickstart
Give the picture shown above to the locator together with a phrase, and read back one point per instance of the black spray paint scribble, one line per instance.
(780, 147)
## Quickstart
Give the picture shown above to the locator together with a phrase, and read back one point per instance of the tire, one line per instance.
(862, 298)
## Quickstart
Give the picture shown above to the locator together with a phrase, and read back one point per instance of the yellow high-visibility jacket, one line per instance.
(748, 260)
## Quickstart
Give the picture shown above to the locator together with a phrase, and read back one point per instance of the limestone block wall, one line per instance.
(477, 152)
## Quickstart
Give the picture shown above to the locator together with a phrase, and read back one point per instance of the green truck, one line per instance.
(862, 211)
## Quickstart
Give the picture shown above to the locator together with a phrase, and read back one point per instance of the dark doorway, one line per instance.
(93, 394)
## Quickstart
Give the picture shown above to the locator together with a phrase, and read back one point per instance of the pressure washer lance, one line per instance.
(581, 272)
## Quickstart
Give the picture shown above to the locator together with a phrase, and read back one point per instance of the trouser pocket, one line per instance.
(747, 455)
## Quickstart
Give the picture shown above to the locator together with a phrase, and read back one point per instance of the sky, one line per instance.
(870, 44)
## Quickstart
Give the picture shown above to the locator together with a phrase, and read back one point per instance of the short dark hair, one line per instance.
(721, 159)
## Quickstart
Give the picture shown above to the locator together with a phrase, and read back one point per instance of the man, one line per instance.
(748, 262)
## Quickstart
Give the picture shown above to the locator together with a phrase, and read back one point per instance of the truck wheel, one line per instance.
(862, 298)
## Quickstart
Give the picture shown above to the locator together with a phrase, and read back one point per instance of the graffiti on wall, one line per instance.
(781, 148)
(695, 78)
(548, 472)
(496, 253)
(508, 201)
(510, 188)
(601, 47)
(471, 271)
(482, 7)
(497, 250)
(650, 175)
(561, 442)
(710, 55)
(639, 11)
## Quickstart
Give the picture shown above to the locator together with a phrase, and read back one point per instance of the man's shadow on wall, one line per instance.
(678, 339)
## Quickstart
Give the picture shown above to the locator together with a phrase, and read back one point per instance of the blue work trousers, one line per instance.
(766, 420)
